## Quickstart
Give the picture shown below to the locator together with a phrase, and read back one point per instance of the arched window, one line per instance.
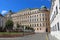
(37, 28)
(40, 28)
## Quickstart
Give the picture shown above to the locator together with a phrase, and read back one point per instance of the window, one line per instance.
(40, 14)
(28, 16)
(24, 14)
(56, 10)
(46, 24)
(37, 19)
(37, 15)
(40, 28)
(37, 24)
(43, 24)
(45, 14)
(30, 20)
(40, 24)
(59, 4)
(35, 11)
(43, 19)
(37, 28)
(30, 25)
(40, 19)
(55, 29)
(46, 19)
(58, 26)
(28, 12)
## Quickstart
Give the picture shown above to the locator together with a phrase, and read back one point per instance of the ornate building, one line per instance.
(35, 18)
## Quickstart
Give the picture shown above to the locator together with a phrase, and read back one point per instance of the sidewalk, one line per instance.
(55, 35)
(52, 37)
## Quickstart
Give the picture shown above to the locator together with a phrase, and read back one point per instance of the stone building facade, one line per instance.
(35, 18)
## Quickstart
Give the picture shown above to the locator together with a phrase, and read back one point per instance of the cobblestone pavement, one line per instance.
(40, 36)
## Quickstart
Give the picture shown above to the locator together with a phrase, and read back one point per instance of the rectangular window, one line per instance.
(43, 24)
(40, 19)
(30, 25)
(58, 25)
(28, 16)
(59, 4)
(40, 14)
(30, 20)
(55, 28)
(37, 19)
(52, 28)
(37, 28)
(37, 24)
(40, 24)
(43, 19)
(40, 28)
(37, 15)
(46, 19)
(46, 24)
(56, 10)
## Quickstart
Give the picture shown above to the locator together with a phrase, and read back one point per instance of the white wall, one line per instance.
(55, 33)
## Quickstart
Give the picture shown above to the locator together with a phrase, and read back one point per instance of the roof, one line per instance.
(43, 8)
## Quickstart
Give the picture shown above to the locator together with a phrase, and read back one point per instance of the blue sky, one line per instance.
(17, 5)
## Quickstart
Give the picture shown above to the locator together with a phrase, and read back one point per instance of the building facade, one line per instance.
(35, 18)
(55, 18)
(2, 21)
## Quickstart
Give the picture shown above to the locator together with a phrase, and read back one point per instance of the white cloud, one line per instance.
(4, 12)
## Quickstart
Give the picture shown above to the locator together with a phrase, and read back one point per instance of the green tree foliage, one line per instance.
(18, 25)
(9, 25)
(29, 28)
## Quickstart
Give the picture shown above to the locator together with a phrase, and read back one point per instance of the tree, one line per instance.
(32, 29)
(9, 25)
(18, 25)
(1, 29)
(29, 28)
